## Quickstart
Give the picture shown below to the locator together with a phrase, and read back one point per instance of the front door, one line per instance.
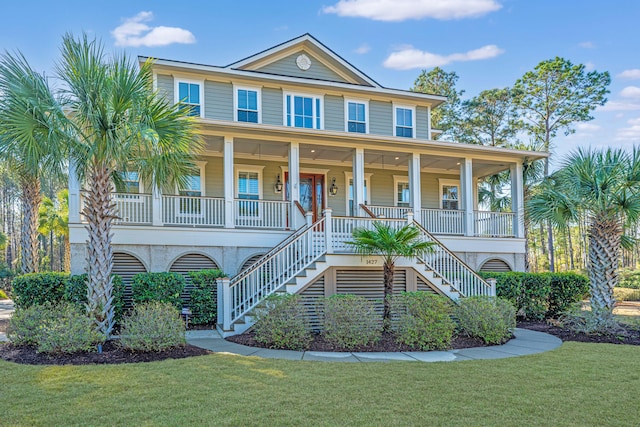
(311, 193)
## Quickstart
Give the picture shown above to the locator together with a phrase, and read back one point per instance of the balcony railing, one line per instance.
(493, 224)
(193, 211)
(443, 221)
(262, 213)
(133, 208)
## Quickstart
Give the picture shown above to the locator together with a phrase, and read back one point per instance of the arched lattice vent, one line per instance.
(495, 266)
(248, 263)
(127, 266)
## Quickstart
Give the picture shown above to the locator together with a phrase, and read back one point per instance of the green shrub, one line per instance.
(422, 320)
(38, 288)
(626, 294)
(67, 330)
(26, 321)
(281, 322)
(490, 319)
(528, 292)
(586, 322)
(202, 301)
(630, 279)
(75, 292)
(158, 287)
(152, 326)
(566, 290)
(6, 278)
(350, 321)
(3, 295)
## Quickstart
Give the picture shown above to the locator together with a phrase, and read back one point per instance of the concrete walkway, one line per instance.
(525, 342)
(6, 309)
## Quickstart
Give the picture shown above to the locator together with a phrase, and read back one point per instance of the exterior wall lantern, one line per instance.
(278, 185)
(333, 189)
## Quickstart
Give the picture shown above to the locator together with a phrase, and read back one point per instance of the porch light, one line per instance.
(278, 185)
(333, 189)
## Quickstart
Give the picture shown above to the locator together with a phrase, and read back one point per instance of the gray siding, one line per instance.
(381, 116)
(272, 106)
(334, 113)
(218, 100)
(422, 123)
(287, 67)
(165, 86)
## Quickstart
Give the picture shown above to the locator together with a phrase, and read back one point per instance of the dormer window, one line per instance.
(404, 122)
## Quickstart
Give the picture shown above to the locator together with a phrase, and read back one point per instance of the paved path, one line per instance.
(526, 342)
(6, 308)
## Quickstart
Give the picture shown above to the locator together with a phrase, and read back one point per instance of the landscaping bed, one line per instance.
(387, 342)
(111, 354)
(626, 335)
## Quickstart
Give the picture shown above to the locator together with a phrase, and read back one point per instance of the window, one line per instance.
(189, 96)
(449, 194)
(349, 179)
(248, 105)
(303, 111)
(356, 113)
(402, 194)
(404, 122)
(248, 190)
(192, 190)
(131, 182)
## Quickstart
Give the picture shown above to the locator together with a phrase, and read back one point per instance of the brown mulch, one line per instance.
(626, 335)
(111, 354)
(386, 343)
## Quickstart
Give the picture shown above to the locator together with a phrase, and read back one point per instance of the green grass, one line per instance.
(578, 384)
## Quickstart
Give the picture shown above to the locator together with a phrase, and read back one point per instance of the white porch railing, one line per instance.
(342, 230)
(272, 271)
(443, 221)
(390, 211)
(262, 213)
(133, 208)
(194, 211)
(493, 224)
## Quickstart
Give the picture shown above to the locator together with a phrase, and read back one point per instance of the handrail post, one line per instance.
(492, 283)
(410, 218)
(309, 216)
(224, 303)
(328, 232)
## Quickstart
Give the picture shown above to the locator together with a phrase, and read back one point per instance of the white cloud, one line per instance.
(134, 32)
(631, 133)
(409, 57)
(362, 49)
(589, 66)
(402, 10)
(587, 45)
(588, 127)
(620, 106)
(630, 92)
(633, 74)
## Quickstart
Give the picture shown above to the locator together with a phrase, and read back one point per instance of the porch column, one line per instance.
(74, 195)
(156, 206)
(517, 199)
(358, 181)
(229, 217)
(414, 186)
(294, 181)
(466, 190)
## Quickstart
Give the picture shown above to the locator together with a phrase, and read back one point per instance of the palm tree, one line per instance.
(54, 221)
(118, 125)
(390, 243)
(605, 186)
(30, 117)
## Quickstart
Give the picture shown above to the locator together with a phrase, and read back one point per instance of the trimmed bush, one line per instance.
(586, 322)
(38, 288)
(202, 301)
(75, 292)
(630, 279)
(490, 319)
(281, 322)
(350, 321)
(159, 287)
(423, 320)
(566, 290)
(67, 330)
(26, 321)
(152, 326)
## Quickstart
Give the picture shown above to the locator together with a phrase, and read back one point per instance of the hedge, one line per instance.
(76, 293)
(540, 295)
(202, 296)
(160, 287)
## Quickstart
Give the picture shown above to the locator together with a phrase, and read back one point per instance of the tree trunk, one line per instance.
(66, 266)
(551, 250)
(389, 272)
(31, 199)
(604, 254)
(571, 264)
(99, 211)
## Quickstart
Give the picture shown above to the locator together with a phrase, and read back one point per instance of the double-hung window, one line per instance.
(356, 113)
(189, 96)
(192, 191)
(303, 111)
(247, 105)
(131, 182)
(248, 191)
(402, 194)
(351, 211)
(404, 122)
(449, 196)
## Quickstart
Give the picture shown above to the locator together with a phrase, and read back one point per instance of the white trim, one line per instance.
(397, 179)
(177, 79)
(256, 89)
(449, 182)
(315, 112)
(348, 175)
(365, 102)
(237, 168)
(413, 119)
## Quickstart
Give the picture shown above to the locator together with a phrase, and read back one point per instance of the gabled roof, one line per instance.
(308, 44)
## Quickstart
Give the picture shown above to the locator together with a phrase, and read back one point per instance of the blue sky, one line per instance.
(489, 43)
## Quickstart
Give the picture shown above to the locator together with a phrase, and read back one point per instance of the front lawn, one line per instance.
(578, 384)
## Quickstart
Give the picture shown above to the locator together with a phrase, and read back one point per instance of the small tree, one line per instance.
(390, 243)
